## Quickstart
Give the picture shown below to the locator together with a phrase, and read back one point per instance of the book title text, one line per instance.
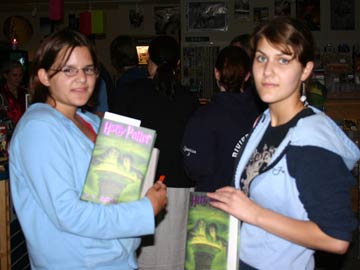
(127, 132)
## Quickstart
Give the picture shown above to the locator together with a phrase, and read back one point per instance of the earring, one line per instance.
(303, 93)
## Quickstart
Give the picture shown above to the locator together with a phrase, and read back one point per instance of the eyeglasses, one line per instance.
(73, 71)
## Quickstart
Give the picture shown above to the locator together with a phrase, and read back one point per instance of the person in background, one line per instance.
(107, 78)
(242, 41)
(49, 154)
(216, 132)
(163, 104)
(293, 179)
(13, 91)
(98, 102)
(124, 59)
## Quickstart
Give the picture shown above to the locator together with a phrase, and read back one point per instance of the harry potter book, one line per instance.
(120, 161)
(212, 236)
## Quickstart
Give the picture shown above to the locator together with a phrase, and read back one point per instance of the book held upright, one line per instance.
(212, 236)
(119, 161)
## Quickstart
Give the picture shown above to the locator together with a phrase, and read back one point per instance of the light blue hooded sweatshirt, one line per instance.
(308, 178)
(49, 158)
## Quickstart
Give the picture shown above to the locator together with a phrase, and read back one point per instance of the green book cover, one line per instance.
(119, 161)
(212, 236)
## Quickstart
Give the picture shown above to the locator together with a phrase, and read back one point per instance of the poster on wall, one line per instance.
(207, 15)
(136, 18)
(282, 8)
(342, 15)
(308, 11)
(242, 10)
(261, 15)
(167, 20)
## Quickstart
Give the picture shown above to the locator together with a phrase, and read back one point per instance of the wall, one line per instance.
(116, 15)
(322, 37)
(116, 22)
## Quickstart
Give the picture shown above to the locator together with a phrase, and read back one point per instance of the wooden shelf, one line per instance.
(343, 107)
(344, 95)
(5, 252)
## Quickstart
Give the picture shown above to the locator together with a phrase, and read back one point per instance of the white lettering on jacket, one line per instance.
(188, 151)
(239, 145)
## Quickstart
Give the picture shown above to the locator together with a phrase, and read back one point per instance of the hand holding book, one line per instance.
(123, 162)
(157, 195)
(212, 236)
(235, 202)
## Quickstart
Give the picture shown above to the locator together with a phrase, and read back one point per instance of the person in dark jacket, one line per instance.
(163, 104)
(216, 132)
(124, 59)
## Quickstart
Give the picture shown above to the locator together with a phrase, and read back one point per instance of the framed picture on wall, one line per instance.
(261, 15)
(167, 20)
(282, 8)
(342, 14)
(242, 10)
(136, 17)
(308, 11)
(207, 15)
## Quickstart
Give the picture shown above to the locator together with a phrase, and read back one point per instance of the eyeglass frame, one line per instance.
(95, 71)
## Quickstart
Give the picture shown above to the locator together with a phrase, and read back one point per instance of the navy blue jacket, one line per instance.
(214, 136)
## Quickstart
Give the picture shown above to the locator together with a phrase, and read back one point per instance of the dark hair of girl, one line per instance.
(164, 51)
(234, 64)
(288, 34)
(65, 40)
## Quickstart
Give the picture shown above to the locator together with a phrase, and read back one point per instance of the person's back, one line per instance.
(217, 131)
(161, 103)
(168, 117)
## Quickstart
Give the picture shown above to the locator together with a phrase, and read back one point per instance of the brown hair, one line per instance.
(233, 64)
(10, 65)
(164, 51)
(288, 34)
(47, 54)
(123, 52)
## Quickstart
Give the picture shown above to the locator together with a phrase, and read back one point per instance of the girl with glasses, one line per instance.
(50, 152)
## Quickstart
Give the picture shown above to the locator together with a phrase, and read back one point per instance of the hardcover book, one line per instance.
(212, 236)
(120, 161)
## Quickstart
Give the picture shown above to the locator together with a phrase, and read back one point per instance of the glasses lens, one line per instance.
(90, 70)
(70, 71)
(73, 71)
